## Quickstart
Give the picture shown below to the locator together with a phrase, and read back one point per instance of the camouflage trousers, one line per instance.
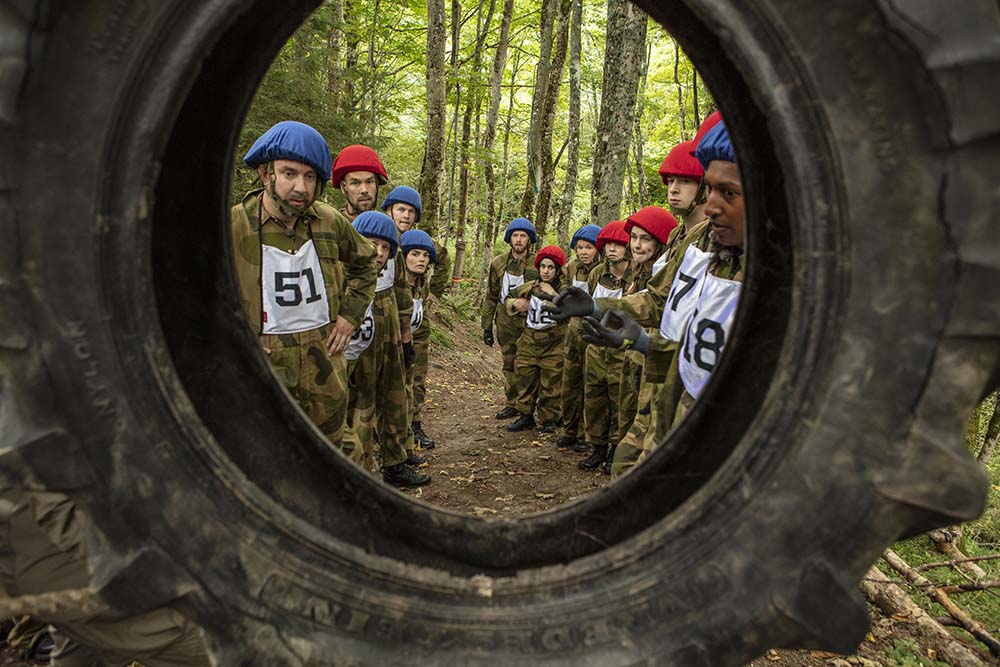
(572, 382)
(602, 374)
(538, 367)
(378, 416)
(628, 397)
(42, 549)
(421, 345)
(317, 381)
(508, 331)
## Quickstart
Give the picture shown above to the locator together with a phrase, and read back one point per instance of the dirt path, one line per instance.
(478, 467)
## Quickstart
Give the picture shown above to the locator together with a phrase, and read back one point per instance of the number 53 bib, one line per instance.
(292, 290)
(707, 331)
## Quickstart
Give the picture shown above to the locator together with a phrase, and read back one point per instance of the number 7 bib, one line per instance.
(292, 290)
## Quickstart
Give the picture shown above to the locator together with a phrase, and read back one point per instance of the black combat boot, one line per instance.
(403, 475)
(507, 413)
(525, 422)
(596, 458)
(566, 441)
(581, 447)
(420, 437)
(414, 459)
(548, 427)
(606, 468)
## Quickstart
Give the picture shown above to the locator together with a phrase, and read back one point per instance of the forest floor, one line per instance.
(479, 468)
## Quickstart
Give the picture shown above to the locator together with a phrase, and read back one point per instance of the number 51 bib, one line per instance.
(292, 290)
(707, 331)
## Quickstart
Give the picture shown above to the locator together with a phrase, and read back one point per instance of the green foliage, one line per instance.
(906, 653)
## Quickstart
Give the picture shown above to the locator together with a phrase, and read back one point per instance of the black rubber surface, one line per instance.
(869, 143)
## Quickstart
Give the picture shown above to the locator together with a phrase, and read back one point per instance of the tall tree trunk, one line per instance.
(573, 159)
(333, 68)
(456, 45)
(432, 171)
(694, 86)
(680, 91)
(371, 78)
(642, 196)
(542, 79)
(548, 165)
(626, 46)
(472, 104)
(492, 116)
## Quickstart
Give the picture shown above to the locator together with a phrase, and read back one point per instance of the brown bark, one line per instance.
(891, 599)
(334, 43)
(547, 164)
(371, 78)
(968, 623)
(492, 116)
(432, 171)
(456, 45)
(637, 139)
(992, 433)
(548, 17)
(573, 159)
(947, 541)
(625, 48)
(680, 89)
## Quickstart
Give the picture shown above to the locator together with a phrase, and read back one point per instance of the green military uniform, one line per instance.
(602, 371)
(508, 328)
(42, 550)
(440, 276)
(539, 358)
(420, 289)
(574, 273)
(655, 392)
(379, 408)
(315, 379)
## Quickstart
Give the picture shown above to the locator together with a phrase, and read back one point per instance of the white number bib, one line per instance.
(362, 337)
(659, 265)
(387, 277)
(602, 292)
(582, 284)
(684, 293)
(293, 295)
(417, 318)
(706, 335)
(509, 282)
(538, 318)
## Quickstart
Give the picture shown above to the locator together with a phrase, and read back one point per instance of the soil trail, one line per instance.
(478, 467)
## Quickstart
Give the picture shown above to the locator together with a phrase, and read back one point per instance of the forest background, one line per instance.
(560, 111)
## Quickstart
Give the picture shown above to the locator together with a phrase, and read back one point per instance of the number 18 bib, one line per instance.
(707, 332)
(293, 294)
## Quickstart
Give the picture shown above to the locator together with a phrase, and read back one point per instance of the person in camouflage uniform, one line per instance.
(305, 276)
(538, 364)
(507, 271)
(379, 411)
(358, 172)
(576, 272)
(403, 204)
(602, 367)
(418, 253)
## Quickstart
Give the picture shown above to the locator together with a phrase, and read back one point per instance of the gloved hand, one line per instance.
(615, 329)
(571, 302)
(409, 354)
(488, 337)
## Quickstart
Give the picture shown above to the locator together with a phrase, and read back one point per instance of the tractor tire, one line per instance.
(868, 330)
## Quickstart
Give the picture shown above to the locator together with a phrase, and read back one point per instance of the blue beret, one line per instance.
(291, 140)
(520, 225)
(417, 239)
(377, 225)
(403, 195)
(585, 233)
(716, 145)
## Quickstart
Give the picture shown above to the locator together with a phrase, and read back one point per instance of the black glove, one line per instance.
(571, 302)
(615, 329)
(488, 337)
(409, 354)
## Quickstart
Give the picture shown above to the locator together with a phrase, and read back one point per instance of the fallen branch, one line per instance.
(888, 596)
(947, 541)
(974, 586)
(949, 563)
(968, 623)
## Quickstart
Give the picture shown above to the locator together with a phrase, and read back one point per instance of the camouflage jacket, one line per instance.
(503, 263)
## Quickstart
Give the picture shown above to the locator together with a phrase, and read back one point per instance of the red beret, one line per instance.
(681, 163)
(357, 158)
(613, 232)
(655, 220)
(553, 252)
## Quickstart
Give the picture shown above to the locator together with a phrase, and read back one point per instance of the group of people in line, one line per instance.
(609, 348)
(614, 345)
